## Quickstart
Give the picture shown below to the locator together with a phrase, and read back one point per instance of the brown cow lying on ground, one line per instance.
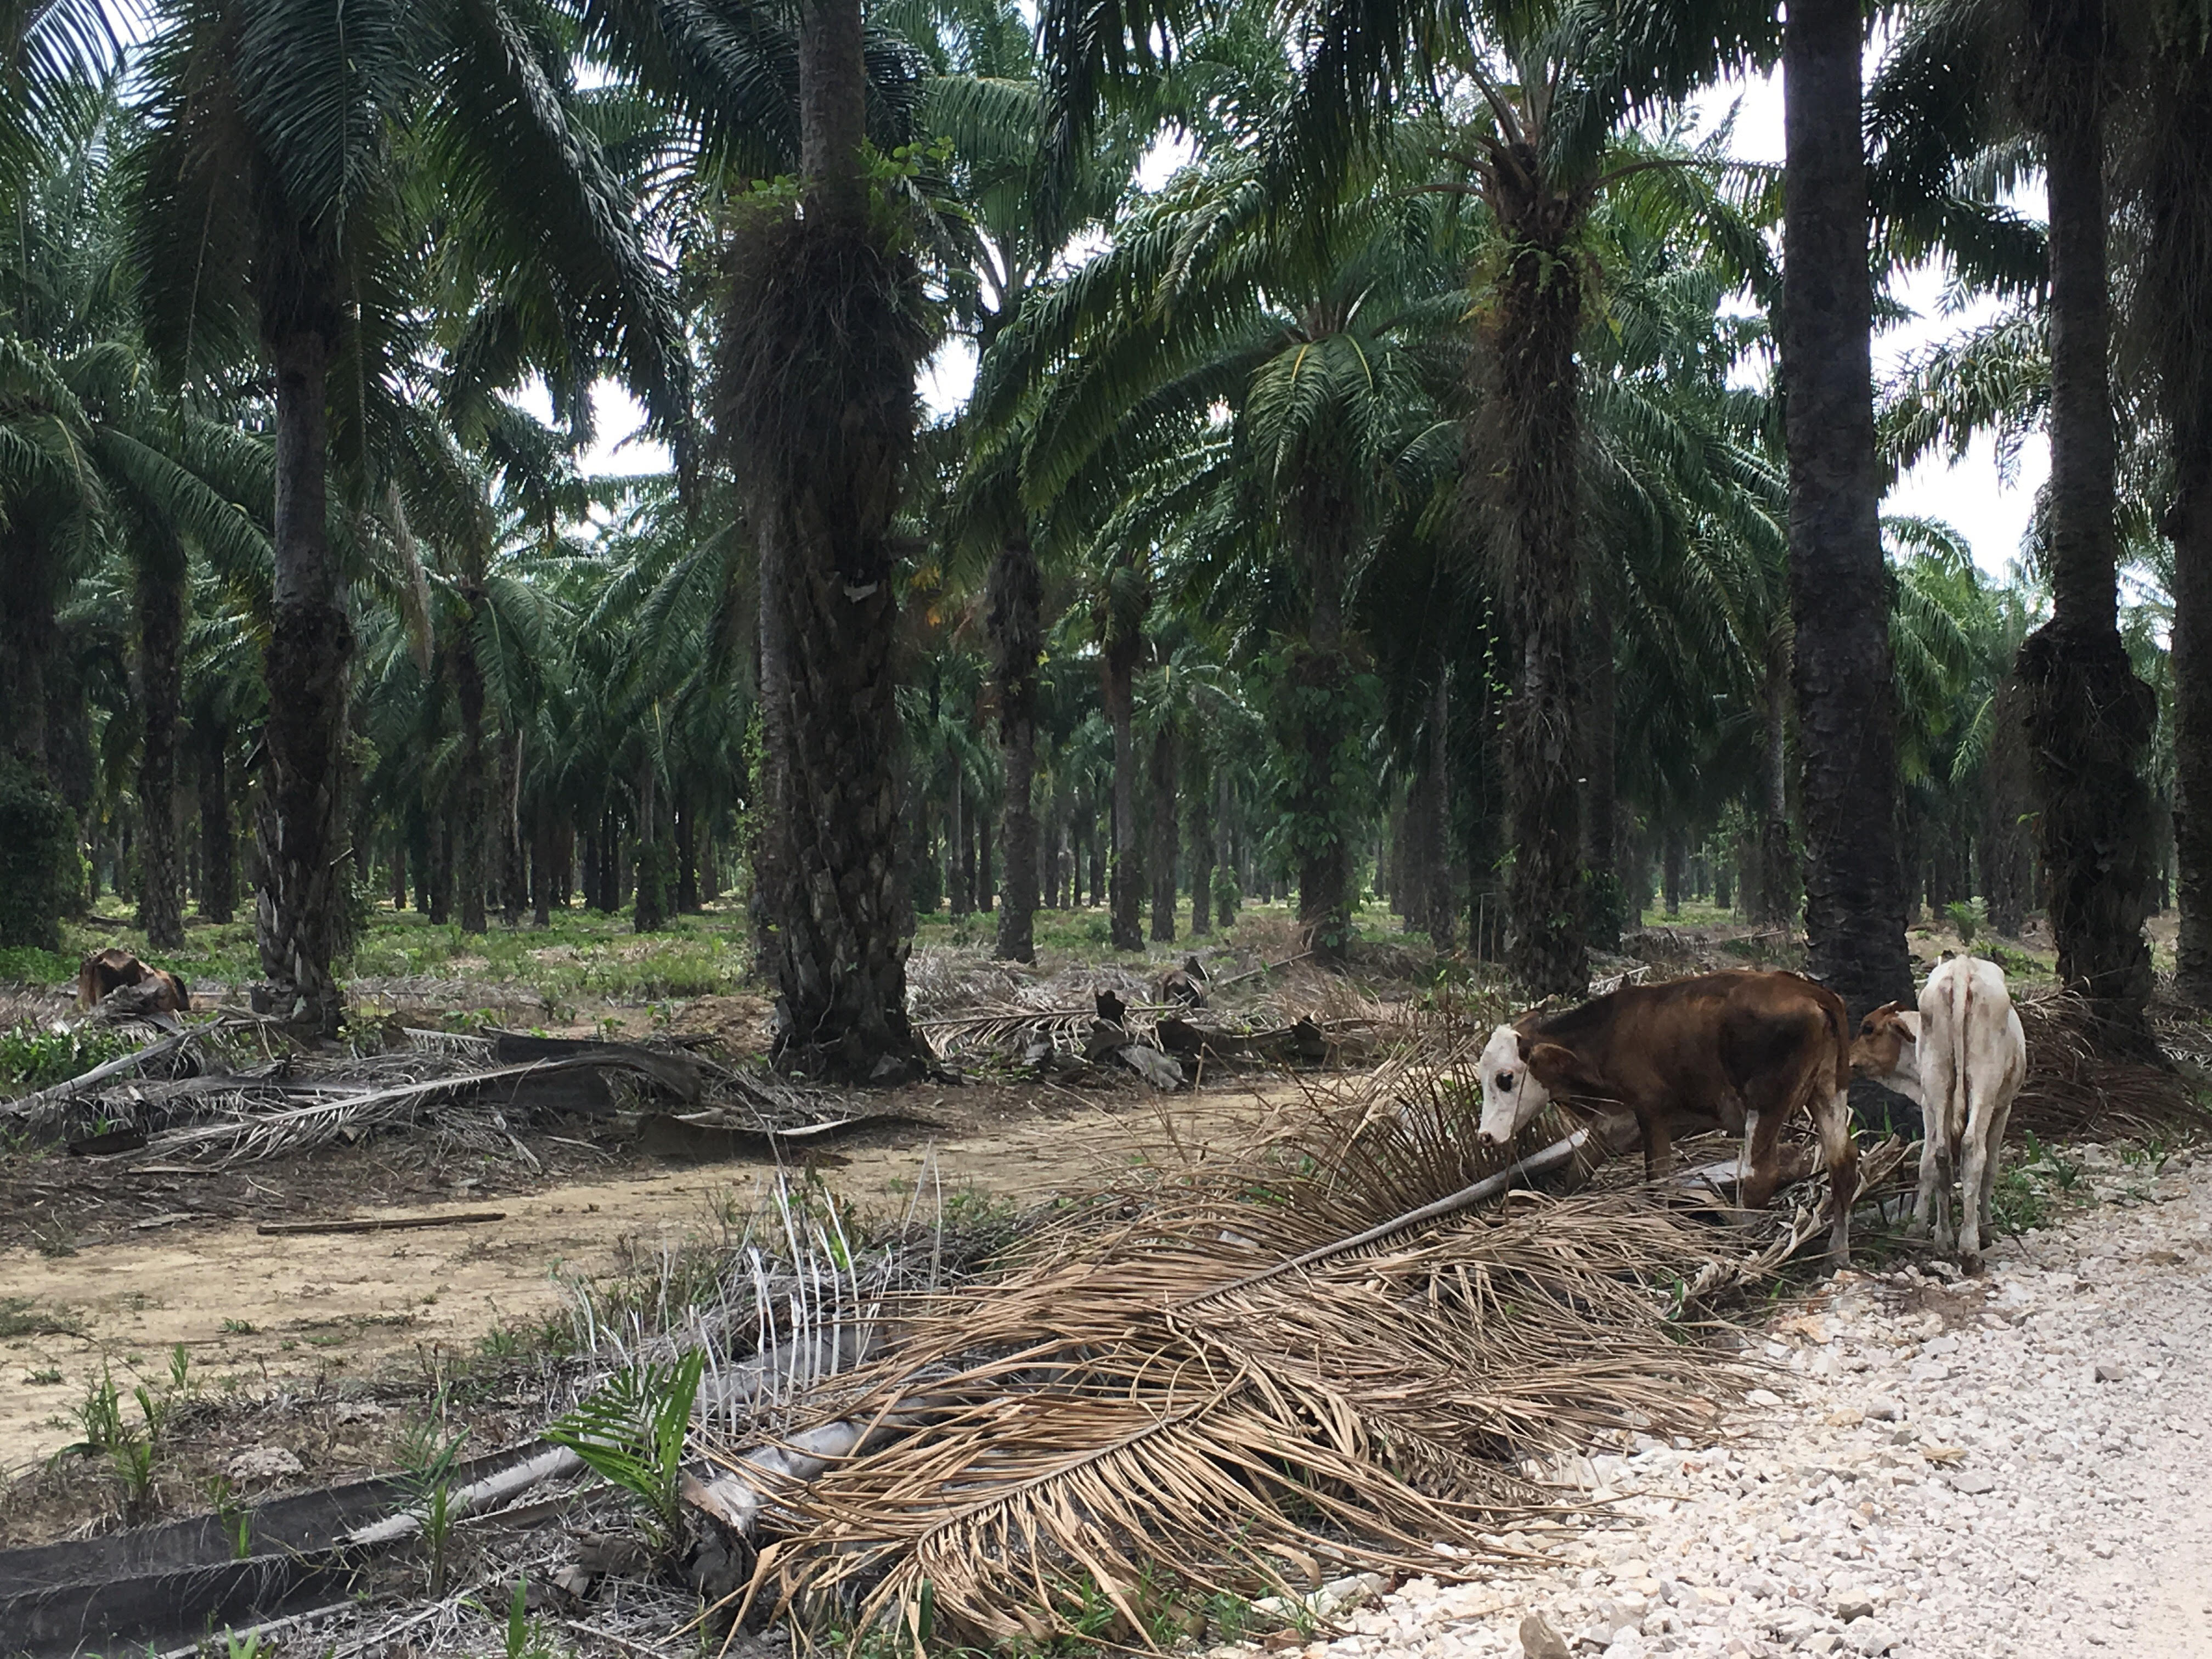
(1744, 1048)
(113, 970)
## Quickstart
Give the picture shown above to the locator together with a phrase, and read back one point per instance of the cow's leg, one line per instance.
(1840, 1150)
(1946, 1175)
(1923, 1201)
(1762, 1157)
(1984, 1136)
(1658, 1144)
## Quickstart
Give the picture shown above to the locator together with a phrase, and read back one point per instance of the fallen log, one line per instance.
(384, 1224)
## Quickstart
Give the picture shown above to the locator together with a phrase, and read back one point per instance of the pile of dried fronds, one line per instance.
(2075, 1091)
(1163, 1403)
(236, 1089)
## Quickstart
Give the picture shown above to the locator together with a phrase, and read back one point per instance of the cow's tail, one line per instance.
(1840, 1031)
(1959, 1105)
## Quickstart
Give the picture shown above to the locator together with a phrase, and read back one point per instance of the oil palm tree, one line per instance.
(273, 222)
(1980, 78)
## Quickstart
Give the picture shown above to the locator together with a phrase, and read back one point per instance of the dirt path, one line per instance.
(2010, 1467)
(257, 1308)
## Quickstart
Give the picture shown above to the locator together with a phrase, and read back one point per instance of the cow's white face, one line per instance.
(1512, 1096)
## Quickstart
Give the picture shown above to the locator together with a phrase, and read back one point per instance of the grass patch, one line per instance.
(21, 1317)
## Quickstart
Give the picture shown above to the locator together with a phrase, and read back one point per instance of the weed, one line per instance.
(21, 1317)
(247, 1646)
(2061, 1171)
(45, 1378)
(237, 1327)
(2018, 1203)
(1965, 918)
(53, 1239)
(35, 1057)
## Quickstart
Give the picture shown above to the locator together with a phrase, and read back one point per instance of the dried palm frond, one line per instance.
(2073, 1091)
(1178, 1398)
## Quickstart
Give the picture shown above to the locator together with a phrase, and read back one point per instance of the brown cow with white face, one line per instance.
(1743, 1049)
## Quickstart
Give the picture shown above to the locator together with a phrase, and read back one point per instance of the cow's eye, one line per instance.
(1506, 1080)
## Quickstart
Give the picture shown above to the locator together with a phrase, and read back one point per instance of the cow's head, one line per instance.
(1888, 1042)
(1521, 1075)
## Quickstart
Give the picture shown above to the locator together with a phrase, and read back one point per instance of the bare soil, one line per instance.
(98, 1274)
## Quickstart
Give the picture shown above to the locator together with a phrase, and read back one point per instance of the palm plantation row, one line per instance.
(1394, 492)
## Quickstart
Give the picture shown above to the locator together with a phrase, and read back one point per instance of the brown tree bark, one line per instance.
(1839, 589)
(299, 911)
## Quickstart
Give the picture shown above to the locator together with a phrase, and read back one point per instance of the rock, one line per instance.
(1540, 1641)
(2109, 1370)
(1848, 1605)
(1973, 1482)
(1762, 1397)
(258, 1464)
(1868, 1638)
(1886, 1411)
(1155, 1067)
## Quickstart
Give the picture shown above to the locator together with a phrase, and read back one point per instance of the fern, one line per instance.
(631, 1434)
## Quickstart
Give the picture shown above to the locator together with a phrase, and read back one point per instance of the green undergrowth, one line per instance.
(35, 1057)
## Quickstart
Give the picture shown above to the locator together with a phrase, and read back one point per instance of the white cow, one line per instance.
(1963, 1057)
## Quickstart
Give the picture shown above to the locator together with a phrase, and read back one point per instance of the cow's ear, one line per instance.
(1559, 1069)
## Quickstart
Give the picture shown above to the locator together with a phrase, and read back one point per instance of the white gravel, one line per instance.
(2008, 1467)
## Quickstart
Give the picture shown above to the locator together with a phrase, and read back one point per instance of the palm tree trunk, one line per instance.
(1322, 524)
(1777, 864)
(651, 913)
(218, 842)
(1442, 896)
(513, 862)
(959, 850)
(2180, 192)
(1199, 787)
(27, 634)
(542, 859)
(1016, 600)
(2089, 718)
(1164, 838)
(469, 792)
(1125, 868)
(161, 583)
(299, 911)
(816, 402)
(1838, 590)
(1601, 798)
(1528, 438)
(687, 854)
